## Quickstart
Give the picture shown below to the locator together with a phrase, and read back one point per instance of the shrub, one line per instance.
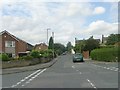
(4, 57)
(108, 46)
(50, 53)
(46, 53)
(105, 54)
(35, 54)
(27, 57)
(38, 54)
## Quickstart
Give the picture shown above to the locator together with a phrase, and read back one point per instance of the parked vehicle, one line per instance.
(78, 57)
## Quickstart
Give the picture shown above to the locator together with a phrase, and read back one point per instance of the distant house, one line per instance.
(80, 41)
(12, 45)
(41, 47)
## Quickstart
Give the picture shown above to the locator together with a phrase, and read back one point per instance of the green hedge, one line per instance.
(28, 57)
(105, 54)
(46, 53)
(4, 57)
(35, 54)
(39, 54)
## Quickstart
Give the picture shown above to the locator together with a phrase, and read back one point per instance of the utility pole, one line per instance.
(53, 43)
(47, 40)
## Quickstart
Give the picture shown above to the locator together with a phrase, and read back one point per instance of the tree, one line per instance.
(69, 46)
(51, 43)
(91, 44)
(59, 48)
(79, 46)
(113, 38)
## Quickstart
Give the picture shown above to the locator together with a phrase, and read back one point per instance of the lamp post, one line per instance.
(47, 40)
(53, 43)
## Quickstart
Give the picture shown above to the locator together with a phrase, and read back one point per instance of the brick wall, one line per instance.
(86, 54)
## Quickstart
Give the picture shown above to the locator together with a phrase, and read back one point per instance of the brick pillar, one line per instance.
(86, 54)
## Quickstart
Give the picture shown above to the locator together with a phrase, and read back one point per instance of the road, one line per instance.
(66, 74)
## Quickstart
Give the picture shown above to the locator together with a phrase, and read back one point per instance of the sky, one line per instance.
(30, 19)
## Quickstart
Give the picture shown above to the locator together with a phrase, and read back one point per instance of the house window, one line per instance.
(9, 43)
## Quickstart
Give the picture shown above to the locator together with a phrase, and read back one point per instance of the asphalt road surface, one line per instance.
(66, 74)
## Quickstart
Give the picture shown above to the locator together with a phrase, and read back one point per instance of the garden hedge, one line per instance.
(105, 54)
(4, 57)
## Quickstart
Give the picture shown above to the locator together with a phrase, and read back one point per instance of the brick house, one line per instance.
(12, 45)
(41, 47)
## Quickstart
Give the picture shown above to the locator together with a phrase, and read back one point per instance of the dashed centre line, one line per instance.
(73, 66)
(80, 73)
(108, 68)
(91, 83)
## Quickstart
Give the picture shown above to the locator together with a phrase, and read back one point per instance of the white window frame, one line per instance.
(9, 43)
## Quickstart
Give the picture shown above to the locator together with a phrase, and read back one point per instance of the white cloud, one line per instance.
(100, 27)
(66, 20)
(33, 28)
(83, 9)
(99, 10)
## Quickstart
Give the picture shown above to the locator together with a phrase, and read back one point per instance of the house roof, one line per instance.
(1, 33)
(41, 44)
(9, 35)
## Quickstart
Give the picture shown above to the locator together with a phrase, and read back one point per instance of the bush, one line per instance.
(105, 54)
(4, 57)
(108, 46)
(27, 57)
(35, 54)
(50, 53)
(46, 53)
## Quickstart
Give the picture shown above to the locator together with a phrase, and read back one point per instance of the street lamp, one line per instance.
(47, 35)
(47, 40)
(53, 43)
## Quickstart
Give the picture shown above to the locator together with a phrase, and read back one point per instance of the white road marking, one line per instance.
(23, 85)
(77, 70)
(73, 66)
(27, 82)
(115, 70)
(114, 67)
(105, 67)
(111, 69)
(91, 83)
(31, 75)
(26, 78)
(80, 73)
(35, 76)
(18, 83)
(108, 68)
(14, 85)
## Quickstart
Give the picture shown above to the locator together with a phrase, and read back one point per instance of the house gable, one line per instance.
(20, 45)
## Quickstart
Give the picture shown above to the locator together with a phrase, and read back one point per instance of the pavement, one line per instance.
(27, 68)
